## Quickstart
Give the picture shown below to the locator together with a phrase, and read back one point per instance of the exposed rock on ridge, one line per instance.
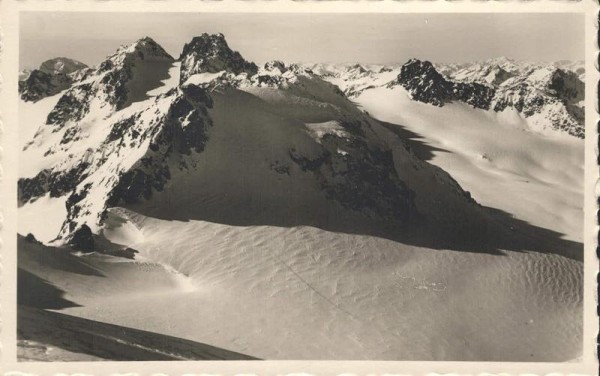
(210, 54)
(546, 95)
(52, 77)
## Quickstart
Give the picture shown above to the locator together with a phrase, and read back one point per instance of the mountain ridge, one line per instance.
(546, 95)
(107, 142)
(106, 145)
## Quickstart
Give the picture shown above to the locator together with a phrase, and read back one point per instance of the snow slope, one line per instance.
(49, 280)
(379, 297)
(535, 177)
(353, 296)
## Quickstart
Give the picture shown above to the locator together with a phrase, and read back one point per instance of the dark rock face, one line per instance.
(211, 54)
(114, 85)
(137, 184)
(194, 135)
(363, 178)
(40, 85)
(426, 84)
(72, 106)
(117, 74)
(52, 77)
(475, 94)
(267, 80)
(180, 130)
(358, 68)
(147, 48)
(57, 183)
(566, 86)
(31, 238)
(183, 129)
(32, 188)
(562, 86)
(82, 239)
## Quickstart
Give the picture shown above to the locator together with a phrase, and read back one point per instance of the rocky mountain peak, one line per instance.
(210, 53)
(122, 79)
(61, 65)
(566, 85)
(416, 67)
(424, 82)
(52, 77)
(205, 44)
(142, 49)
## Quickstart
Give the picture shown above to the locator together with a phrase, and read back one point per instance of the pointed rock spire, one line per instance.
(210, 53)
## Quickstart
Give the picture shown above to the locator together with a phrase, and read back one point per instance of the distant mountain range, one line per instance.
(547, 95)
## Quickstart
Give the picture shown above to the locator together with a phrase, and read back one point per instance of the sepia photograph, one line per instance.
(300, 186)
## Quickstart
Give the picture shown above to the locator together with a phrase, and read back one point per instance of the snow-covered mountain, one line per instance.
(52, 77)
(252, 144)
(477, 71)
(549, 96)
(353, 79)
(544, 93)
(61, 65)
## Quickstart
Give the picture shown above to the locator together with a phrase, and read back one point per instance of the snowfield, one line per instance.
(536, 178)
(300, 292)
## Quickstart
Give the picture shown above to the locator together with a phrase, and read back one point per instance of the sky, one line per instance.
(367, 38)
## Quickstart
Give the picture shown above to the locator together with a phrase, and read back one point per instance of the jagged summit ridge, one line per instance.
(543, 94)
(426, 84)
(547, 95)
(115, 83)
(210, 53)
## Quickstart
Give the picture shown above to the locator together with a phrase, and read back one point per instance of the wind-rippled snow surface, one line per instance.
(306, 293)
